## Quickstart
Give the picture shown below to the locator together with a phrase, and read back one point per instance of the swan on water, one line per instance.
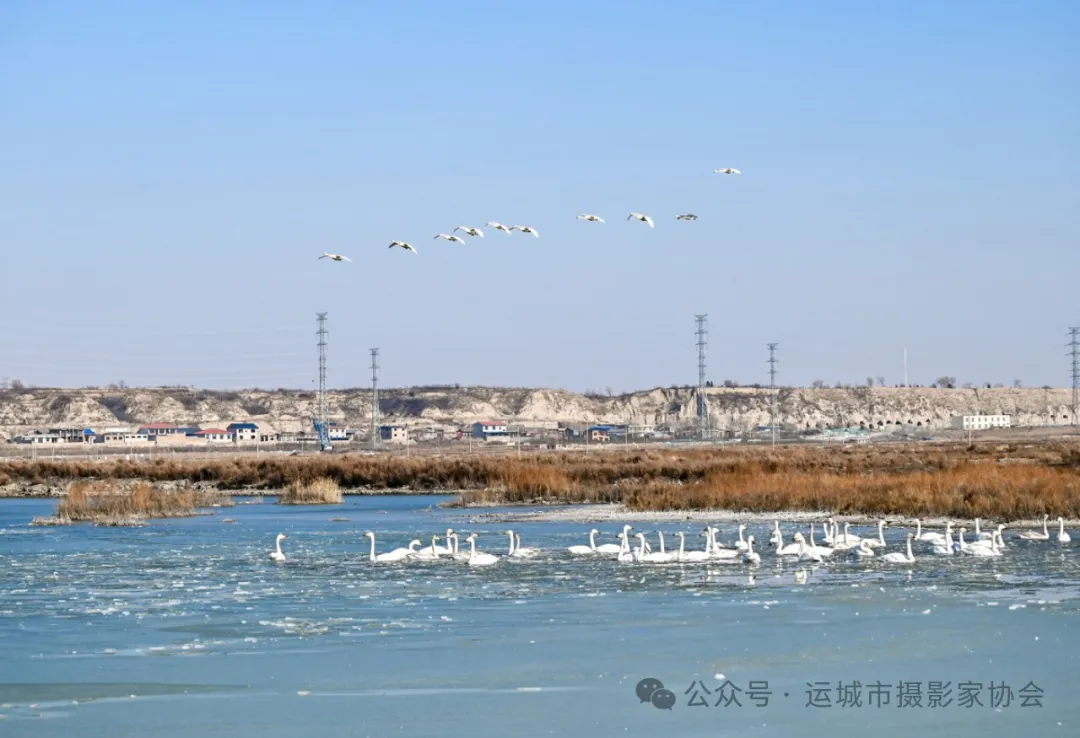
(456, 553)
(1062, 535)
(901, 558)
(429, 553)
(751, 556)
(863, 550)
(716, 551)
(477, 558)
(974, 549)
(929, 536)
(519, 551)
(277, 554)
(612, 548)
(1034, 535)
(685, 555)
(581, 550)
(846, 540)
(657, 557)
(396, 555)
(625, 556)
(878, 542)
(945, 546)
(823, 551)
(805, 554)
(792, 549)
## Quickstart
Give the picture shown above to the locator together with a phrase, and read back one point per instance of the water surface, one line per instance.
(186, 627)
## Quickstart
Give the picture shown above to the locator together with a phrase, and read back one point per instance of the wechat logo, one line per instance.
(652, 690)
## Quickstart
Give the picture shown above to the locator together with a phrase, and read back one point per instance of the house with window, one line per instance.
(214, 435)
(981, 422)
(339, 432)
(67, 435)
(488, 428)
(599, 434)
(243, 432)
(393, 433)
(37, 438)
(159, 429)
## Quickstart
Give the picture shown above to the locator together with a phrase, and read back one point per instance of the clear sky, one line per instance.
(169, 173)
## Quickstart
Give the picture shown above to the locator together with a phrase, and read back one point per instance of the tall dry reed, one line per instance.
(320, 491)
(104, 503)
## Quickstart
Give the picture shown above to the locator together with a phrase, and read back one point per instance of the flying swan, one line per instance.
(727, 170)
(497, 226)
(448, 237)
(642, 218)
(470, 231)
(335, 257)
(402, 244)
(592, 218)
(525, 229)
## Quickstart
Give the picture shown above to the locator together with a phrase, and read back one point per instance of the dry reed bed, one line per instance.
(104, 504)
(1004, 480)
(320, 491)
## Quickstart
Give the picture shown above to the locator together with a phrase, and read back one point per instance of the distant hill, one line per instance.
(451, 407)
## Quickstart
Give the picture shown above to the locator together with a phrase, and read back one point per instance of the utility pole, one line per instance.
(321, 430)
(374, 398)
(1074, 352)
(703, 407)
(772, 389)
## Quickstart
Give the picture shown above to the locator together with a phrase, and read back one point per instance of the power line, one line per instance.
(702, 407)
(1074, 345)
(374, 398)
(772, 388)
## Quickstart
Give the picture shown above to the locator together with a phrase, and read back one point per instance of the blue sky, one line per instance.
(170, 172)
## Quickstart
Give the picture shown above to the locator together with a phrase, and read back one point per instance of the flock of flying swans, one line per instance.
(478, 233)
(983, 544)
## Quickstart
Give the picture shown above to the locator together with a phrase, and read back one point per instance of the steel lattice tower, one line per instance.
(772, 389)
(321, 333)
(703, 407)
(374, 397)
(1074, 352)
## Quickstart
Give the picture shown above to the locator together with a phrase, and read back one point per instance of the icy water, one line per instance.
(187, 628)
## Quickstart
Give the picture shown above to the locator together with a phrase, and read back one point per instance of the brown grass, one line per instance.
(321, 491)
(104, 504)
(1004, 480)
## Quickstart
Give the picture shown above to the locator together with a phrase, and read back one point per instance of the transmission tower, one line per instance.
(1074, 352)
(702, 407)
(772, 389)
(374, 398)
(320, 425)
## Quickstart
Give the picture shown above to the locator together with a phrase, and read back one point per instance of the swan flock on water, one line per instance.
(835, 541)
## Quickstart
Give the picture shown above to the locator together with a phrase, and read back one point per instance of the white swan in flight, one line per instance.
(642, 218)
(1034, 535)
(335, 257)
(1062, 535)
(448, 237)
(901, 558)
(475, 557)
(397, 554)
(592, 218)
(470, 231)
(525, 229)
(404, 245)
(686, 216)
(277, 554)
(497, 226)
(727, 170)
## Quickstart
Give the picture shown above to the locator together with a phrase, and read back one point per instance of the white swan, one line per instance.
(823, 551)
(878, 542)
(592, 218)
(625, 556)
(449, 237)
(456, 553)
(741, 544)
(727, 170)
(642, 218)
(403, 245)
(277, 554)
(929, 536)
(685, 555)
(656, 557)
(429, 553)
(863, 550)
(470, 231)
(497, 226)
(612, 548)
(396, 555)
(335, 257)
(525, 229)
(716, 551)
(977, 550)
(580, 550)
(792, 549)
(846, 540)
(519, 551)
(901, 558)
(1034, 535)
(805, 554)
(1062, 536)
(946, 546)
(686, 216)
(751, 556)
(476, 558)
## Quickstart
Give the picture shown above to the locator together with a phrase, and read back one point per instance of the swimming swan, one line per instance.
(277, 554)
(929, 536)
(612, 548)
(397, 554)
(1034, 535)
(476, 558)
(580, 550)
(1062, 536)
(653, 558)
(751, 556)
(685, 555)
(805, 554)
(863, 550)
(878, 542)
(900, 558)
(517, 550)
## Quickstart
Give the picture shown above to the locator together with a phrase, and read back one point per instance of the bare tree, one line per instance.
(946, 381)
(818, 383)
(17, 384)
(869, 381)
(1017, 384)
(881, 381)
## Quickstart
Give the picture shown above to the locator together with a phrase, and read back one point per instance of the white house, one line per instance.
(485, 428)
(243, 432)
(981, 422)
(214, 435)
